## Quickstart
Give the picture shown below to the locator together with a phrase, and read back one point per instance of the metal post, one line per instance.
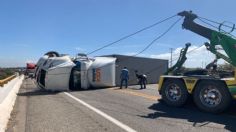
(171, 51)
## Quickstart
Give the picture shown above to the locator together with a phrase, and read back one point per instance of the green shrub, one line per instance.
(4, 73)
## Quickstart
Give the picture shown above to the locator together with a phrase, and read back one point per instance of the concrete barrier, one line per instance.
(8, 95)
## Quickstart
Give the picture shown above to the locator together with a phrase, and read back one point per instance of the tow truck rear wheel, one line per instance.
(174, 92)
(212, 96)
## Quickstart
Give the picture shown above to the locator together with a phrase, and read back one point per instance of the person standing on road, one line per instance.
(142, 80)
(124, 77)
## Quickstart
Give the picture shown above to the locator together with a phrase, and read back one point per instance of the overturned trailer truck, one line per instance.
(61, 72)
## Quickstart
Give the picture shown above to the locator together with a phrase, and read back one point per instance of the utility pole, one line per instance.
(171, 52)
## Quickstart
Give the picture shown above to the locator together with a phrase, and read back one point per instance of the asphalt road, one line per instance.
(111, 110)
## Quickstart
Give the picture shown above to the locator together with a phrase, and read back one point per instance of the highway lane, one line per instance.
(139, 110)
(54, 112)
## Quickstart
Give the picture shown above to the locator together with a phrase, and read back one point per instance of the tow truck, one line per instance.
(210, 93)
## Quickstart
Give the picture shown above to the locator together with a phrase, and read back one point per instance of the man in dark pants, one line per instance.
(124, 77)
(142, 79)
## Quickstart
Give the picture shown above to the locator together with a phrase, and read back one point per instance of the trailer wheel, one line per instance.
(174, 92)
(212, 96)
(52, 53)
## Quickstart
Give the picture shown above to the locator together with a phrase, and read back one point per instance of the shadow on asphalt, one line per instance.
(100, 88)
(134, 88)
(127, 89)
(190, 113)
(89, 89)
(131, 87)
(37, 93)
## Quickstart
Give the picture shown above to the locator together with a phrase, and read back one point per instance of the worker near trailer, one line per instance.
(142, 79)
(124, 77)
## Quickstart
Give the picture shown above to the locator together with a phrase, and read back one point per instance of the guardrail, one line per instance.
(6, 80)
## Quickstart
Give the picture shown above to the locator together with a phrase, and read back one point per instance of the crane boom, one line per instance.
(182, 58)
(216, 38)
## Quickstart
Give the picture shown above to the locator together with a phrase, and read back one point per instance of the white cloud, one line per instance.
(196, 56)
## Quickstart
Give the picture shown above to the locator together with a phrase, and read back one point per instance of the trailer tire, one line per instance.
(174, 92)
(212, 96)
(52, 53)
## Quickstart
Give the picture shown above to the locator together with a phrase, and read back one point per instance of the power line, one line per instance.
(125, 37)
(153, 41)
(159, 37)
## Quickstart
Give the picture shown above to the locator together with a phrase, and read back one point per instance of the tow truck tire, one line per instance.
(212, 96)
(174, 92)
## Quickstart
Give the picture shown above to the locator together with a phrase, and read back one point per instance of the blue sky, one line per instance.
(29, 28)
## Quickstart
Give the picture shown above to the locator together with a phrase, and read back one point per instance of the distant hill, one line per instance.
(6, 72)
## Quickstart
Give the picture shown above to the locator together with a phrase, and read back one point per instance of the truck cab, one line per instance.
(60, 73)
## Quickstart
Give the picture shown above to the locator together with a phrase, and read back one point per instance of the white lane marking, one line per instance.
(113, 120)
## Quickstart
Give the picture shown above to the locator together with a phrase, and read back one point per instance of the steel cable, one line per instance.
(216, 22)
(132, 34)
(215, 27)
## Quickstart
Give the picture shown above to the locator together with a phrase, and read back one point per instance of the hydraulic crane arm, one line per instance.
(182, 58)
(218, 54)
(194, 27)
(216, 38)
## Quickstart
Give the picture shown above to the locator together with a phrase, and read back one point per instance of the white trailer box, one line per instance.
(102, 72)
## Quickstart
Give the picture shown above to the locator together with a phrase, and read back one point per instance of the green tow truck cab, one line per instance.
(210, 93)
